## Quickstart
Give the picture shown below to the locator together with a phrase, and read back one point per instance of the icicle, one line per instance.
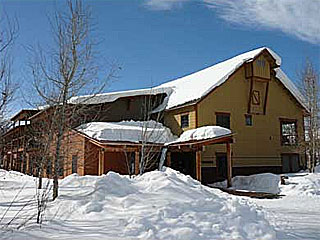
(163, 158)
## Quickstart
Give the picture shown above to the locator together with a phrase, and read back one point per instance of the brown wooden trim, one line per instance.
(216, 140)
(266, 99)
(261, 79)
(196, 112)
(223, 113)
(198, 165)
(136, 163)
(229, 165)
(250, 94)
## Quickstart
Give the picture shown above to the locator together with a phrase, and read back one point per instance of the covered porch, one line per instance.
(186, 155)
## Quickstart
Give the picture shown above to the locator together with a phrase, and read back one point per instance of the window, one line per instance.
(223, 120)
(184, 119)
(288, 132)
(74, 163)
(248, 120)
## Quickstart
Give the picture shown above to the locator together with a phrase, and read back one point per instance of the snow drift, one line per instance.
(264, 182)
(157, 205)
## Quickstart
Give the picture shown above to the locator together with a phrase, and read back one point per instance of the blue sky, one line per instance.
(155, 41)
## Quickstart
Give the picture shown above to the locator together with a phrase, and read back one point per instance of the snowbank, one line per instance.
(264, 182)
(128, 131)
(304, 184)
(157, 205)
(202, 133)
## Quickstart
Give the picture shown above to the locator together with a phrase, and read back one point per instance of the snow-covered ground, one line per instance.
(156, 205)
(296, 215)
(162, 205)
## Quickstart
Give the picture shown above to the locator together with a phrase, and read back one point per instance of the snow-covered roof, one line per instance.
(202, 133)
(291, 87)
(113, 96)
(128, 131)
(197, 85)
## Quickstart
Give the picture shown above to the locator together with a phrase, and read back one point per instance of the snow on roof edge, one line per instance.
(285, 80)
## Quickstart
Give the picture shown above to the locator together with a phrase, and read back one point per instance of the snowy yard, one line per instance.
(159, 205)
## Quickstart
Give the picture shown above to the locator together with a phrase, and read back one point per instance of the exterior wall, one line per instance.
(172, 119)
(76, 146)
(91, 161)
(257, 145)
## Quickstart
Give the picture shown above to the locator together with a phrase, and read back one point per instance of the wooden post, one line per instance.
(136, 163)
(198, 165)
(101, 162)
(168, 159)
(28, 163)
(229, 166)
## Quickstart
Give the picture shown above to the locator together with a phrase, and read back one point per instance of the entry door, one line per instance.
(184, 162)
(290, 163)
(221, 166)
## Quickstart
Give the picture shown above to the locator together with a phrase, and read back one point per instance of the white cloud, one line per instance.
(164, 4)
(300, 18)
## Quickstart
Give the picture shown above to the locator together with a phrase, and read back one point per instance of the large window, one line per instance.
(223, 120)
(288, 132)
(184, 120)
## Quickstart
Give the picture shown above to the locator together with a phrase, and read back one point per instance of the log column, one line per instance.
(229, 166)
(101, 162)
(136, 163)
(198, 165)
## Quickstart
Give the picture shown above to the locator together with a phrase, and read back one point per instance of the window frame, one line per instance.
(181, 120)
(245, 120)
(223, 114)
(288, 121)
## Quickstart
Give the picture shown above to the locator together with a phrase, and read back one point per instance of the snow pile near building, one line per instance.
(157, 205)
(202, 133)
(304, 184)
(128, 131)
(264, 182)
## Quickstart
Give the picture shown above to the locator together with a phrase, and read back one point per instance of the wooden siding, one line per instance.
(259, 70)
(257, 145)
(172, 119)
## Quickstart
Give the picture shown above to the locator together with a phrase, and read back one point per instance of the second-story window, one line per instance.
(223, 120)
(184, 120)
(248, 118)
(289, 134)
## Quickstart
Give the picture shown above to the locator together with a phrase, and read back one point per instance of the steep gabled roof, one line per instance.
(193, 87)
(197, 85)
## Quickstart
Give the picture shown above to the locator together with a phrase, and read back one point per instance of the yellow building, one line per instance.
(250, 95)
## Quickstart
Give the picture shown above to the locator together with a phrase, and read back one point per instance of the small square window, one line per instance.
(223, 120)
(248, 120)
(184, 119)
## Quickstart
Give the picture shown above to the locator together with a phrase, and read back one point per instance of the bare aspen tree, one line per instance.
(8, 34)
(310, 87)
(150, 134)
(68, 69)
